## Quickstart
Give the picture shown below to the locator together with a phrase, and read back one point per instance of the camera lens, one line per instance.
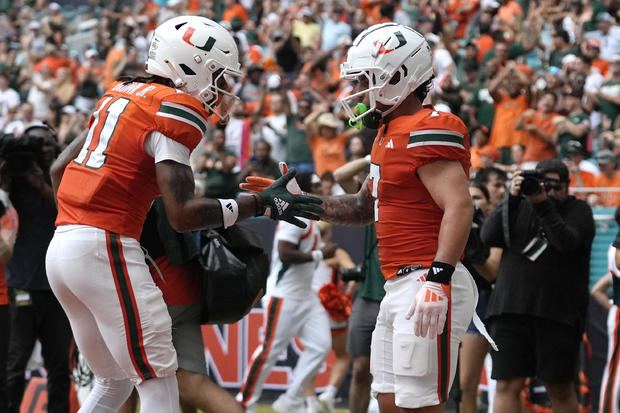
(530, 186)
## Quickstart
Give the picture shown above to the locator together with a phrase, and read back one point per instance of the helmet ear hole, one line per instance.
(395, 79)
(187, 70)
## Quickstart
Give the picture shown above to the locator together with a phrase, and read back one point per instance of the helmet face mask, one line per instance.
(197, 55)
(394, 59)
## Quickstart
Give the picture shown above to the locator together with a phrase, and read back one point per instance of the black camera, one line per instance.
(531, 183)
(353, 274)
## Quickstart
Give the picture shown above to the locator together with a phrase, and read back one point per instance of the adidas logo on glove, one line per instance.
(281, 205)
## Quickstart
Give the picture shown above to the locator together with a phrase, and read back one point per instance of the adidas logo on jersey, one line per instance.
(281, 204)
(390, 144)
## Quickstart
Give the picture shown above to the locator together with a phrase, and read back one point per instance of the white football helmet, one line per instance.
(195, 52)
(394, 58)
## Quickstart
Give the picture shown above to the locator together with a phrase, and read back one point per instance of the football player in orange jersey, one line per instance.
(137, 146)
(417, 195)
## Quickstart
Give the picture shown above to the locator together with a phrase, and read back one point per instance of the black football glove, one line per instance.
(286, 206)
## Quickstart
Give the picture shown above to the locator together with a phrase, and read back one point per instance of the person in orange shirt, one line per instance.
(481, 147)
(580, 177)
(461, 11)
(511, 95)
(608, 178)
(592, 49)
(372, 10)
(510, 11)
(234, 9)
(328, 147)
(540, 126)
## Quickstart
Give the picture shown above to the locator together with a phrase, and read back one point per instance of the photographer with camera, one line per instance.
(538, 309)
(35, 311)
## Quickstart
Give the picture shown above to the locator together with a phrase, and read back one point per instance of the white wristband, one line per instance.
(230, 211)
(317, 255)
(367, 157)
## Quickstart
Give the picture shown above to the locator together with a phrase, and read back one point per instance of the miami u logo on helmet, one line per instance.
(187, 36)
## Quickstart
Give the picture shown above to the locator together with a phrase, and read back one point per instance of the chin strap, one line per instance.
(373, 119)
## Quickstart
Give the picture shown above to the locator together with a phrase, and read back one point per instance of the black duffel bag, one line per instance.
(235, 272)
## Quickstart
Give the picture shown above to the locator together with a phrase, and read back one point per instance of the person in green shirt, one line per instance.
(479, 110)
(298, 153)
(561, 47)
(609, 96)
(575, 125)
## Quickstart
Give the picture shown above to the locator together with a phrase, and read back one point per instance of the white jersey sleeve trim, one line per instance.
(162, 148)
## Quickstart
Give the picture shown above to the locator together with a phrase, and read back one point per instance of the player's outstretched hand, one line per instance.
(257, 183)
(429, 309)
(285, 206)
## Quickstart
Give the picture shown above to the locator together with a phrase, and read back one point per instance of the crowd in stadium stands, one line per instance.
(531, 79)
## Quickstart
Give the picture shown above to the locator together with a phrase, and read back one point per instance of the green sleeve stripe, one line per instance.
(183, 114)
(435, 138)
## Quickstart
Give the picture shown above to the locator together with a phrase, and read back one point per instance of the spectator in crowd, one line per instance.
(561, 47)
(9, 223)
(546, 236)
(306, 30)
(9, 100)
(261, 163)
(249, 89)
(298, 153)
(540, 127)
(274, 128)
(609, 96)
(494, 180)
(582, 173)
(239, 132)
(22, 121)
(511, 93)
(328, 146)
(217, 164)
(35, 311)
(575, 125)
(480, 141)
(40, 95)
(607, 33)
(333, 27)
(480, 109)
(608, 177)
(592, 50)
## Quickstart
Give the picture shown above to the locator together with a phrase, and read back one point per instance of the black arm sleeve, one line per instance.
(566, 235)
(492, 232)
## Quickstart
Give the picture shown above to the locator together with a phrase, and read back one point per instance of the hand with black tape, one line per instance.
(285, 206)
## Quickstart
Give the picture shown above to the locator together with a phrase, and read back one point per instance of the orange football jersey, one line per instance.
(406, 217)
(112, 182)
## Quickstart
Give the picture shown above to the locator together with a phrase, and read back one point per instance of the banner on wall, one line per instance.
(229, 349)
